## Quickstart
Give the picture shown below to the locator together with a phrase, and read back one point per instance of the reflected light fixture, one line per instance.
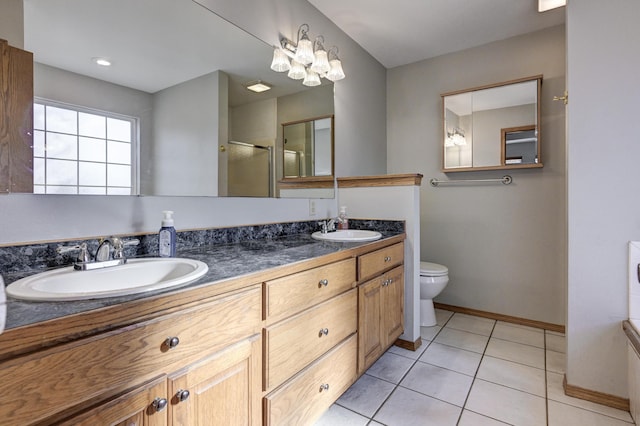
(544, 5)
(455, 137)
(258, 86)
(307, 61)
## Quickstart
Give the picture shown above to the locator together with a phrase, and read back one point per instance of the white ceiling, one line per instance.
(400, 32)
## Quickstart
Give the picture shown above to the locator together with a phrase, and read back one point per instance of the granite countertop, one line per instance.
(224, 260)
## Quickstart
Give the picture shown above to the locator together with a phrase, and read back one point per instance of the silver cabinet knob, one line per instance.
(324, 282)
(387, 258)
(323, 331)
(159, 404)
(172, 342)
(324, 386)
(182, 395)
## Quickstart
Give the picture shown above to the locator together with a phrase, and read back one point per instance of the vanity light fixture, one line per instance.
(544, 5)
(103, 62)
(258, 86)
(455, 137)
(307, 61)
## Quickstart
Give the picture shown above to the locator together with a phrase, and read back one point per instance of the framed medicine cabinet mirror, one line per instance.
(492, 127)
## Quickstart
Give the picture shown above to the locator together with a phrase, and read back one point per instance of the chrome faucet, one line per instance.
(110, 252)
(327, 225)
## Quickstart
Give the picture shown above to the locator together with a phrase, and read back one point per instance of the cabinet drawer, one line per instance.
(296, 342)
(294, 293)
(373, 263)
(65, 376)
(309, 394)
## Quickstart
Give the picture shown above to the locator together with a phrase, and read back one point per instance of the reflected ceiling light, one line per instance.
(307, 61)
(544, 5)
(455, 137)
(258, 86)
(103, 62)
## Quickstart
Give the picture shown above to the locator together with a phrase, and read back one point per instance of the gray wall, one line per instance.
(504, 245)
(603, 177)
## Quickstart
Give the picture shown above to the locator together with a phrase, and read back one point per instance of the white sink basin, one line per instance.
(136, 276)
(348, 235)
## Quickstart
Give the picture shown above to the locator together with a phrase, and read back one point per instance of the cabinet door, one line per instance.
(222, 389)
(135, 408)
(393, 304)
(370, 335)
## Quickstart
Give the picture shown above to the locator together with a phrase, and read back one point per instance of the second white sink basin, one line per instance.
(136, 276)
(348, 235)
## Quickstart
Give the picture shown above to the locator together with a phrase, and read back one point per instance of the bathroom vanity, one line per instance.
(274, 346)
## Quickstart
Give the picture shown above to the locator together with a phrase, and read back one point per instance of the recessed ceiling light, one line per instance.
(544, 5)
(258, 86)
(103, 62)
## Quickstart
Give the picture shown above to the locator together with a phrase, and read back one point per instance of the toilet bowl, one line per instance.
(433, 279)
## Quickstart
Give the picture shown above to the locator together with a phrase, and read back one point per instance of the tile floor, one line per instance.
(470, 371)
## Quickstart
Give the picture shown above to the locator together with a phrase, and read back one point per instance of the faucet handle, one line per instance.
(83, 255)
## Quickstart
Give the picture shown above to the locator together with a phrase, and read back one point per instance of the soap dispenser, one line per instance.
(343, 219)
(167, 236)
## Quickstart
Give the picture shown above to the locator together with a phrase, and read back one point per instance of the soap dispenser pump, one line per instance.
(167, 236)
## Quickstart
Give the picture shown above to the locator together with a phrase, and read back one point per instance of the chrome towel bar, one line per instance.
(506, 179)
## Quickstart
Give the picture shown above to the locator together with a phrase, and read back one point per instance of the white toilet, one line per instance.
(433, 279)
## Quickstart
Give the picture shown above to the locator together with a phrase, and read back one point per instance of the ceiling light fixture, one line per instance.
(258, 86)
(544, 5)
(103, 62)
(307, 61)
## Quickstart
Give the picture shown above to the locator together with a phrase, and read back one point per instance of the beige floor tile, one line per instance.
(469, 418)
(568, 415)
(516, 352)
(513, 375)
(339, 416)
(506, 404)
(555, 361)
(440, 383)
(472, 324)
(408, 353)
(406, 407)
(390, 367)
(462, 339)
(555, 342)
(555, 392)
(519, 334)
(442, 317)
(429, 333)
(366, 395)
(456, 359)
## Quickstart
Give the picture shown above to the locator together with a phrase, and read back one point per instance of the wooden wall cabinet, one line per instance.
(16, 119)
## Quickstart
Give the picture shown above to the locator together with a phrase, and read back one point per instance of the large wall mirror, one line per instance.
(493, 127)
(176, 89)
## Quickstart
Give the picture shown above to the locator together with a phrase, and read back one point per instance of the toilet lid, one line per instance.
(429, 269)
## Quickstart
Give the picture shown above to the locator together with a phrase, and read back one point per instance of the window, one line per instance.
(80, 151)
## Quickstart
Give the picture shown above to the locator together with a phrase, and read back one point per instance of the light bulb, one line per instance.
(320, 63)
(297, 71)
(280, 61)
(335, 73)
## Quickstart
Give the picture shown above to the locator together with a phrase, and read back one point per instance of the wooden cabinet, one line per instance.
(73, 376)
(380, 304)
(311, 319)
(16, 119)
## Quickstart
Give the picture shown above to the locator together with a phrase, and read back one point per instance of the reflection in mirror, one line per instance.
(308, 148)
(493, 127)
(183, 109)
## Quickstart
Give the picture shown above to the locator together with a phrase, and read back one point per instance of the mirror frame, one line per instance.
(304, 180)
(500, 139)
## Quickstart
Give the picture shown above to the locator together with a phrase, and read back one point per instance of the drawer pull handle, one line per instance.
(323, 331)
(171, 342)
(324, 282)
(324, 386)
(159, 404)
(387, 258)
(182, 395)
